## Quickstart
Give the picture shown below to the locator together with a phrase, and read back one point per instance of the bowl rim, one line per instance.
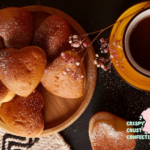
(123, 42)
(88, 96)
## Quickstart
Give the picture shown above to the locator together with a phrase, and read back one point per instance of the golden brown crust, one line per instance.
(23, 115)
(16, 27)
(5, 94)
(108, 132)
(3, 90)
(69, 85)
(53, 35)
(21, 70)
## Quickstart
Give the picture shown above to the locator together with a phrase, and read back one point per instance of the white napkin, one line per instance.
(51, 142)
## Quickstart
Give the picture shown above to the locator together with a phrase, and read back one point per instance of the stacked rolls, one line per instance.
(29, 56)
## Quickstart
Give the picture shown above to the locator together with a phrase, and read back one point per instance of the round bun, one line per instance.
(5, 94)
(63, 77)
(16, 27)
(108, 132)
(53, 35)
(22, 70)
(23, 115)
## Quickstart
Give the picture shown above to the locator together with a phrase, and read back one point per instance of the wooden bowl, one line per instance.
(59, 112)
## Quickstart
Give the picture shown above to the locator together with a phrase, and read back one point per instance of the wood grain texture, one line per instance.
(59, 112)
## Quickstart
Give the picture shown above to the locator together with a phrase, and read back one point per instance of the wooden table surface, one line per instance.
(111, 94)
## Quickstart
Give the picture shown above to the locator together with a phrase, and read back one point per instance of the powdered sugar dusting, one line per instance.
(63, 77)
(103, 129)
(23, 115)
(52, 36)
(23, 65)
(16, 27)
(108, 132)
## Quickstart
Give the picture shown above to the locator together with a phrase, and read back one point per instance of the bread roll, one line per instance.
(53, 35)
(16, 27)
(23, 115)
(63, 77)
(108, 132)
(21, 70)
(5, 94)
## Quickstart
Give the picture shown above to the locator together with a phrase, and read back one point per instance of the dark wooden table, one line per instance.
(111, 94)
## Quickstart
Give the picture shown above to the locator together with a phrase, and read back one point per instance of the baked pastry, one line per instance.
(53, 35)
(21, 70)
(108, 132)
(65, 77)
(5, 94)
(23, 115)
(16, 27)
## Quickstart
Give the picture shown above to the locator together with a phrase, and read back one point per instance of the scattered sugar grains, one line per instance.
(122, 99)
(104, 130)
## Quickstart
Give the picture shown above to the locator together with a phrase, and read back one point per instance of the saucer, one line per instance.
(122, 66)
